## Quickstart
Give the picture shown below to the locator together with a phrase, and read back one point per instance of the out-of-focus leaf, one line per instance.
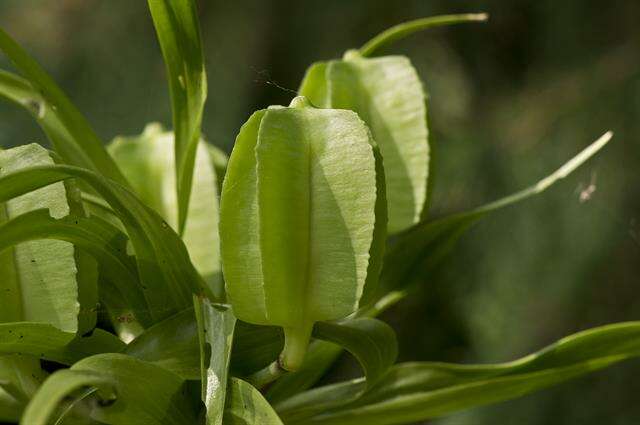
(371, 341)
(148, 163)
(425, 245)
(171, 344)
(10, 408)
(216, 323)
(413, 392)
(131, 391)
(68, 130)
(405, 29)
(46, 342)
(219, 159)
(46, 281)
(306, 185)
(167, 276)
(246, 406)
(178, 31)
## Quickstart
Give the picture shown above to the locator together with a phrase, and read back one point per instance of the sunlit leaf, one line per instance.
(45, 281)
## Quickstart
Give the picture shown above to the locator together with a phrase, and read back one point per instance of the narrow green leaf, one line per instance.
(246, 406)
(167, 275)
(178, 31)
(46, 342)
(123, 384)
(371, 341)
(305, 178)
(216, 323)
(421, 248)
(418, 391)
(405, 29)
(64, 124)
(148, 163)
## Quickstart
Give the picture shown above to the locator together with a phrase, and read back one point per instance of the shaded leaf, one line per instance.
(166, 273)
(371, 341)
(216, 324)
(417, 391)
(123, 384)
(246, 406)
(46, 342)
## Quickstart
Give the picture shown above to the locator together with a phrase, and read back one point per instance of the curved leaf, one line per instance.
(420, 249)
(98, 238)
(148, 163)
(168, 278)
(178, 31)
(123, 383)
(44, 281)
(246, 406)
(371, 341)
(65, 126)
(417, 391)
(398, 32)
(46, 342)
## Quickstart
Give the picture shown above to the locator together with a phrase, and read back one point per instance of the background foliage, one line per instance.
(510, 100)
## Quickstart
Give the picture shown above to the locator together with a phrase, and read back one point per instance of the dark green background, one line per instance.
(510, 101)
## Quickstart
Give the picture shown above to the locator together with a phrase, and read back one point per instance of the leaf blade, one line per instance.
(178, 32)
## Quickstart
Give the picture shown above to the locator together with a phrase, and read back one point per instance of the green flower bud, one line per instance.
(298, 214)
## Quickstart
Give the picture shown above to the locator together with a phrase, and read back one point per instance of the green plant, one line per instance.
(112, 266)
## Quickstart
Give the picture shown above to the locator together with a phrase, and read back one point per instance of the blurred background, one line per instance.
(510, 100)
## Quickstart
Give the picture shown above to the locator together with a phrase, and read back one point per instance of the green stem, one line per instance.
(266, 375)
(296, 341)
(398, 32)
